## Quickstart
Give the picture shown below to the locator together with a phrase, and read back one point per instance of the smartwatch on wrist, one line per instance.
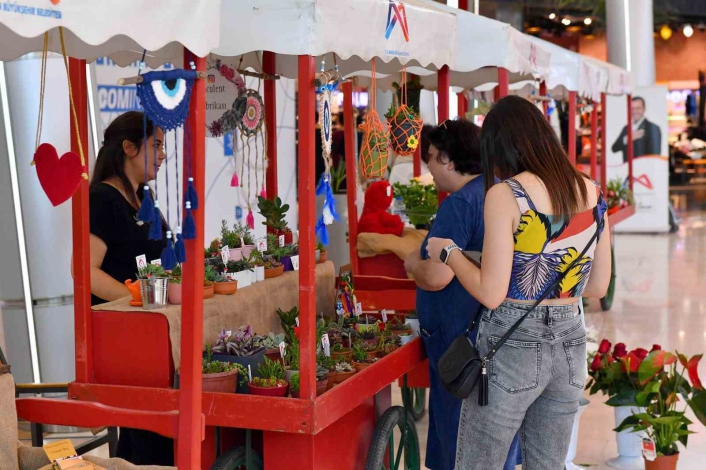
(445, 254)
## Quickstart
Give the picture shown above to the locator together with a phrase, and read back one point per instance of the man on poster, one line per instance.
(646, 135)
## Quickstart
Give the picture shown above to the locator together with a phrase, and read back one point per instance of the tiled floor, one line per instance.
(661, 298)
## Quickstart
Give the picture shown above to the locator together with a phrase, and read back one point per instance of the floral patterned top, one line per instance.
(545, 246)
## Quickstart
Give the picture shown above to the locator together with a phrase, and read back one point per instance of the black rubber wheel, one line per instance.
(415, 400)
(607, 301)
(382, 454)
(234, 459)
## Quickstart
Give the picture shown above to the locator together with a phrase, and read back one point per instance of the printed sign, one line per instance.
(262, 245)
(282, 349)
(281, 241)
(225, 254)
(156, 262)
(297, 320)
(59, 450)
(141, 262)
(358, 309)
(326, 344)
(384, 316)
(295, 262)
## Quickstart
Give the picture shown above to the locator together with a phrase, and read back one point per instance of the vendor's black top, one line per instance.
(114, 220)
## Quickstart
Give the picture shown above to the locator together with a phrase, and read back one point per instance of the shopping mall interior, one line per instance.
(299, 160)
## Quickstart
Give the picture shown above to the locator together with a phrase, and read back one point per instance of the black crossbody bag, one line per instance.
(461, 367)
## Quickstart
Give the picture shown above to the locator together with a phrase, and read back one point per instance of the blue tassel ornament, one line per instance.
(179, 247)
(191, 194)
(168, 257)
(321, 231)
(156, 224)
(189, 224)
(146, 212)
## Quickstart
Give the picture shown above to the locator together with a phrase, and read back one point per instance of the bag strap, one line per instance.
(541, 298)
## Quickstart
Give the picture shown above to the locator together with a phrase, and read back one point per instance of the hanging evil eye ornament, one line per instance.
(326, 83)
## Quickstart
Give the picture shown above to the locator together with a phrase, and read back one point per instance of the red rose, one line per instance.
(620, 350)
(609, 358)
(656, 347)
(641, 353)
(604, 348)
(597, 364)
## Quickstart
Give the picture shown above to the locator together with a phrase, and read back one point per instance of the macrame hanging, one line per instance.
(405, 124)
(251, 128)
(326, 84)
(374, 151)
(165, 97)
(59, 177)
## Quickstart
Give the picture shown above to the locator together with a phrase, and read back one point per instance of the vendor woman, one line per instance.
(117, 238)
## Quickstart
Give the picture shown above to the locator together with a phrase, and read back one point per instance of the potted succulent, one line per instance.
(210, 276)
(341, 371)
(388, 344)
(225, 286)
(232, 240)
(274, 213)
(366, 322)
(657, 395)
(271, 381)
(420, 202)
(321, 378)
(340, 352)
(362, 358)
(294, 386)
(241, 271)
(398, 327)
(369, 337)
(247, 242)
(154, 283)
(277, 253)
(273, 269)
(413, 321)
(290, 252)
(174, 287)
(321, 253)
(218, 376)
(271, 343)
(291, 360)
(241, 346)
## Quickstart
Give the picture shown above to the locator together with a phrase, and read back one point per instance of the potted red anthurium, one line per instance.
(665, 393)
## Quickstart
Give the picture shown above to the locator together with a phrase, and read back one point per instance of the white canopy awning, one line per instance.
(618, 81)
(120, 30)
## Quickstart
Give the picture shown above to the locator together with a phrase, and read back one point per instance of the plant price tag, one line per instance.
(262, 245)
(326, 344)
(296, 319)
(282, 349)
(281, 241)
(384, 316)
(225, 254)
(156, 262)
(358, 309)
(141, 262)
(295, 262)
(649, 451)
(249, 373)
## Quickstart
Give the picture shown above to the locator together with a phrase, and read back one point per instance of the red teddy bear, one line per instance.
(375, 218)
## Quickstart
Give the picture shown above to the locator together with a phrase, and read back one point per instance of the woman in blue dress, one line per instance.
(444, 307)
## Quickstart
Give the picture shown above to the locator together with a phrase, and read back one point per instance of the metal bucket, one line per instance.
(154, 292)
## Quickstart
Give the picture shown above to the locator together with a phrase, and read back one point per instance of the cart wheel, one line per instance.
(415, 401)
(235, 459)
(607, 301)
(382, 454)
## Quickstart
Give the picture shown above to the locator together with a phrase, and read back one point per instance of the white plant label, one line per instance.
(141, 262)
(649, 450)
(296, 319)
(242, 242)
(389, 191)
(229, 332)
(358, 309)
(384, 316)
(282, 349)
(326, 344)
(295, 262)
(225, 254)
(249, 373)
(156, 262)
(262, 245)
(281, 241)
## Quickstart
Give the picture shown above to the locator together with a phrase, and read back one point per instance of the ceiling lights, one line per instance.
(688, 30)
(665, 32)
(566, 22)
(552, 16)
(587, 21)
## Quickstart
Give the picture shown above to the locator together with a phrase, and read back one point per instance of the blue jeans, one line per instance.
(536, 382)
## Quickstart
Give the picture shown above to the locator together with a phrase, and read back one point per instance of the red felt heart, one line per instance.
(59, 177)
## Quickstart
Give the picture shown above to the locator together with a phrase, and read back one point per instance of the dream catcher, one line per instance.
(374, 151)
(165, 97)
(405, 124)
(326, 83)
(59, 177)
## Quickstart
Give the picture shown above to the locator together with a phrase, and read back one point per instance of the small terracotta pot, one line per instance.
(665, 462)
(321, 386)
(270, 391)
(224, 382)
(208, 291)
(405, 332)
(323, 256)
(346, 354)
(335, 378)
(360, 366)
(373, 354)
(274, 272)
(225, 288)
(174, 294)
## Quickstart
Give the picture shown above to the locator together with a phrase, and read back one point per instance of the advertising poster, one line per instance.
(650, 164)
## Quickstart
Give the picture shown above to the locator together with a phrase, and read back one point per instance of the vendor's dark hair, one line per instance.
(426, 130)
(110, 163)
(516, 137)
(458, 141)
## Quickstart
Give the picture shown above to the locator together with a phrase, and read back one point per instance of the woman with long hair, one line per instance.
(537, 223)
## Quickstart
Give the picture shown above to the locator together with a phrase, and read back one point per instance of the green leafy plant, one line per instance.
(658, 393)
(151, 270)
(294, 383)
(288, 320)
(274, 250)
(327, 362)
(359, 353)
(414, 89)
(618, 194)
(271, 369)
(209, 366)
(272, 341)
(239, 266)
(175, 275)
(320, 246)
(274, 213)
(292, 357)
(241, 342)
(397, 325)
(210, 275)
(222, 278)
(338, 176)
(229, 238)
(421, 201)
(321, 372)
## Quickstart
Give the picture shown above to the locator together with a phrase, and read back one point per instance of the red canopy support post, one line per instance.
(594, 142)
(350, 136)
(417, 160)
(307, 222)
(269, 67)
(191, 422)
(604, 144)
(443, 84)
(83, 320)
(463, 5)
(462, 105)
(631, 149)
(572, 127)
(503, 84)
(543, 94)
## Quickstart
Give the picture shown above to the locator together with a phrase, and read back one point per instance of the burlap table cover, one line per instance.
(373, 244)
(255, 305)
